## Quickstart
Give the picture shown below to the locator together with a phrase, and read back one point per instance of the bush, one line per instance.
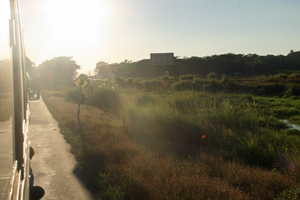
(295, 75)
(106, 99)
(285, 112)
(120, 81)
(184, 85)
(211, 76)
(166, 78)
(129, 82)
(188, 77)
(138, 83)
(281, 76)
(292, 90)
(144, 100)
(200, 82)
(160, 127)
(155, 84)
(213, 86)
(73, 96)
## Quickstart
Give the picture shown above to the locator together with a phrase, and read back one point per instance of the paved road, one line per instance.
(6, 157)
(54, 167)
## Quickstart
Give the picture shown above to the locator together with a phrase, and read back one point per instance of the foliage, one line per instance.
(57, 72)
(166, 78)
(183, 85)
(106, 99)
(120, 81)
(212, 76)
(73, 95)
(180, 145)
(188, 77)
(292, 90)
(280, 76)
(193, 139)
(230, 64)
(102, 70)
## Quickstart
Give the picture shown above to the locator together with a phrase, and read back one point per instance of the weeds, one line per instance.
(181, 144)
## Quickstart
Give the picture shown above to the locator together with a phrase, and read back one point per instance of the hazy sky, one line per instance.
(115, 30)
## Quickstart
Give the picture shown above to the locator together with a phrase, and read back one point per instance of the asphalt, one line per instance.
(6, 157)
(54, 167)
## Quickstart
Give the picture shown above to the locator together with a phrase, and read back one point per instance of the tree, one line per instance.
(100, 66)
(103, 70)
(57, 72)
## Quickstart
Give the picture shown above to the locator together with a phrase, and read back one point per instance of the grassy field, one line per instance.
(153, 139)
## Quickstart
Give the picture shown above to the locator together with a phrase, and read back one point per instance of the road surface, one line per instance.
(6, 157)
(54, 167)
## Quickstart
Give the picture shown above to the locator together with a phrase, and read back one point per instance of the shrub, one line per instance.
(199, 81)
(291, 90)
(184, 85)
(138, 83)
(155, 84)
(160, 127)
(211, 76)
(188, 77)
(224, 79)
(129, 82)
(106, 99)
(166, 78)
(295, 75)
(120, 81)
(213, 86)
(281, 76)
(144, 100)
(73, 96)
(285, 112)
(261, 77)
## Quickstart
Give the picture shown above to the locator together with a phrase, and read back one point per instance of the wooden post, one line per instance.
(78, 111)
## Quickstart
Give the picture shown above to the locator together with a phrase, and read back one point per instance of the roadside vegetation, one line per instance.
(186, 137)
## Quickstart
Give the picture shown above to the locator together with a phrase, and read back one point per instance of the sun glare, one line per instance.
(75, 24)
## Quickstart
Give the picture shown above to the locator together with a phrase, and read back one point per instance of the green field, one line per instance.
(186, 137)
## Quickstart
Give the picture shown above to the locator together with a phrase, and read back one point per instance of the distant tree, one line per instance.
(100, 66)
(57, 71)
(102, 70)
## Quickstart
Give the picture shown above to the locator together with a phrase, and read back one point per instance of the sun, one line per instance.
(75, 24)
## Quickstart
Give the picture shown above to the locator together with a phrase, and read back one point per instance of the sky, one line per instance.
(114, 30)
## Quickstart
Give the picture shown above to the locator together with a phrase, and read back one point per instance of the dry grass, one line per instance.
(120, 168)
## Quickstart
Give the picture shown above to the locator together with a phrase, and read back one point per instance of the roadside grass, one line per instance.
(180, 145)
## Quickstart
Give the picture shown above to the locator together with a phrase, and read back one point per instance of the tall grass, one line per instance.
(180, 145)
(189, 120)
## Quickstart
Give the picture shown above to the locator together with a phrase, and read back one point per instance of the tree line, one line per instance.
(229, 64)
(61, 70)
